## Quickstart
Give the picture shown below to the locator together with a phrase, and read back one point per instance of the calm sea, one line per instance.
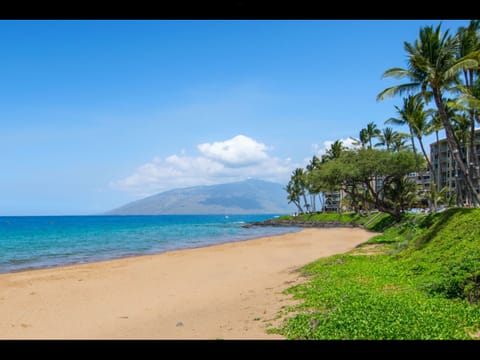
(31, 242)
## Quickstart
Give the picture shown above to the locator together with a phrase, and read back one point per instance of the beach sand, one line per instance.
(228, 291)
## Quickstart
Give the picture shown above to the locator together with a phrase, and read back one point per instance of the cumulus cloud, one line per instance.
(239, 151)
(231, 160)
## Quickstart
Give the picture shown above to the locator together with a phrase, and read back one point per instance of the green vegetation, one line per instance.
(421, 280)
(442, 84)
(440, 65)
(376, 221)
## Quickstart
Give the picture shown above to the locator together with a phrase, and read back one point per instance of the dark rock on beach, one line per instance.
(305, 224)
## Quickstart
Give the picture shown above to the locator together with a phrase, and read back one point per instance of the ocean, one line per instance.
(34, 242)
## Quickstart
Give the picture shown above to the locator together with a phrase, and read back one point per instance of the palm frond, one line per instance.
(398, 90)
(395, 121)
(472, 55)
(468, 102)
(453, 70)
(397, 73)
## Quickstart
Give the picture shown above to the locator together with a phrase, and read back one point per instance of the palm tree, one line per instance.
(362, 139)
(436, 125)
(461, 127)
(334, 152)
(399, 142)
(293, 195)
(300, 179)
(469, 38)
(433, 67)
(372, 132)
(312, 186)
(405, 114)
(420, 127)
(386, 138)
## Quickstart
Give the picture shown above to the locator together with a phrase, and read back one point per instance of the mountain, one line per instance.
(243, 197)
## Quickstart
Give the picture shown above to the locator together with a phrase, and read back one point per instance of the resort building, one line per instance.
(422, 180)
(447, 174)
(333, 201)
(446, 170)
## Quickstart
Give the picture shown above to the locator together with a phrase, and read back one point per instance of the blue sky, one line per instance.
(95, 114)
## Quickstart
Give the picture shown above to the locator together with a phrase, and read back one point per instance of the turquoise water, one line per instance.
(31, 242)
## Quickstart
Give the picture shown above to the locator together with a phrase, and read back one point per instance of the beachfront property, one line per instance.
(446, 170)
(333, 200)
(422, 180)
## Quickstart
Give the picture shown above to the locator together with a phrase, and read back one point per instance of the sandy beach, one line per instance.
(228, 291)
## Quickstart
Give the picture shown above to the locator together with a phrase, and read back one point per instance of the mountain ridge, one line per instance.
(250, 196)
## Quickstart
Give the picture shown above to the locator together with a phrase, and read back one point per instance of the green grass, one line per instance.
(424, 286)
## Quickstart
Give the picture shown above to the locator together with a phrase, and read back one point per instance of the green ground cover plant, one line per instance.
(422, 282)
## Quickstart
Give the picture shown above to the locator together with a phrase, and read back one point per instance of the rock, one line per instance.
(293, 223)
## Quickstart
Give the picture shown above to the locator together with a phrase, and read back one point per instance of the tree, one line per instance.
(372, 132)
(297, 189)
(354, 171)
(404, 119)
(420, 126)
(399, 141)
(436, 126)
(334, 152)
(433, 68)
(312, 187)
(386, 138)
(293, 194)
(469, 39)
(362, 139)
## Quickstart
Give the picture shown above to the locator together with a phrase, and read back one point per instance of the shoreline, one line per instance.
(223, 291)
(206, 245)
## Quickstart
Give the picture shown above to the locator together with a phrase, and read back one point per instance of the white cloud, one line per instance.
(231, 160)
(239, 151)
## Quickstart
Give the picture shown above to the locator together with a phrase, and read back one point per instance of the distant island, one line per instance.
(250, 196)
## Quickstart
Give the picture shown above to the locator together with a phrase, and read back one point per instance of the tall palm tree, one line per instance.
(433, 68)
(312, 186)
(420, 125)
(372, 132)
(300, 178)
(469, 39)
(461, 127)
(436, 126)
(405, 113)
(293, 195)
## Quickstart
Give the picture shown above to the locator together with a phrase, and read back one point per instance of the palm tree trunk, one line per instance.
(417, 166)
(473, 143)
(321, 200)
(430, 168)
(454, 146)
(475, 168)
(299, 206)
(439, 172)
(305, 202)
